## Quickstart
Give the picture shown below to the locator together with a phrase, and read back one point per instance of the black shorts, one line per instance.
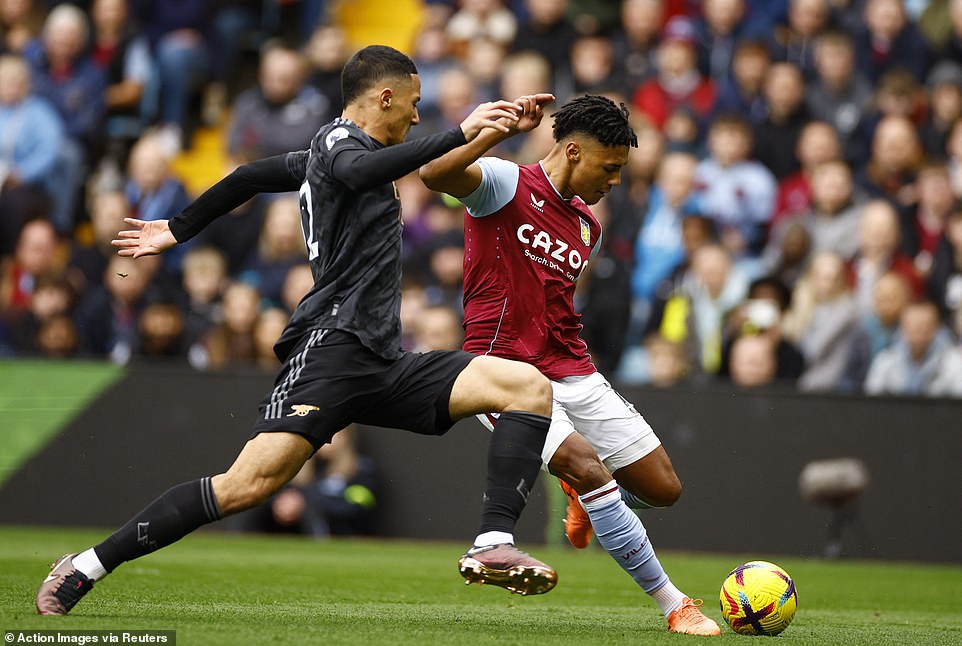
(331, 380)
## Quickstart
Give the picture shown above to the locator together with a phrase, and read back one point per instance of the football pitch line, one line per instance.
(214, 588)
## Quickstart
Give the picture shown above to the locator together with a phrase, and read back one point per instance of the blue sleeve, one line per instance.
(46, 137)
(499, 183)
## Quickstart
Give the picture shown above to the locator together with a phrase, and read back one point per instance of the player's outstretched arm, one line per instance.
(147, 238)
(456, 173)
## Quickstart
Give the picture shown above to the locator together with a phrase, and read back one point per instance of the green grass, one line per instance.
(217, 589)
(38, 398)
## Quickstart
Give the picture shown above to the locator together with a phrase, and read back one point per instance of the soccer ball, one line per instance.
(758, 598)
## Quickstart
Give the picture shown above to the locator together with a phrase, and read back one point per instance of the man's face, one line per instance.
(403, 112)
(597, 169)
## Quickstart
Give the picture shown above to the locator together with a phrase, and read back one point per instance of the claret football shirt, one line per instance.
(524, 248)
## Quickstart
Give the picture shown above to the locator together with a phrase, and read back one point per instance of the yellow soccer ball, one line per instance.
(758, 598)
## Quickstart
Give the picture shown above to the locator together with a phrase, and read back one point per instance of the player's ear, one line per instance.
(573, 151)
(385, 96)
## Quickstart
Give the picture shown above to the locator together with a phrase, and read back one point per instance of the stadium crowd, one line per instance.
(792, 215)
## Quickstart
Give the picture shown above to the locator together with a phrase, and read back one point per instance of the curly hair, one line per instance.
(598, 117)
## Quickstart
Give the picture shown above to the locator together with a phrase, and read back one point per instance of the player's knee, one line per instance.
(533, 391)
(235, 494)
(667, 493)
(580, 468)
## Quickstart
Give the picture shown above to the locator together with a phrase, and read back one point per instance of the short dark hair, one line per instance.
(598, 117)
(370, 65)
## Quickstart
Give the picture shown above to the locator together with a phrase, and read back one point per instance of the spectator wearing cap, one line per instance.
(945, 106)
(677, 82)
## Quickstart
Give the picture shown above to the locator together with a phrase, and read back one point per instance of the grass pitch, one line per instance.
(227, 589)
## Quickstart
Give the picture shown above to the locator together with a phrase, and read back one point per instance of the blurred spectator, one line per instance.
(832, 222)
(32, 133)
(823, 321)
(237, 233)
(57, 338)
(838, 95)
(659, 248)
(592, 65)
(635, 42)
(481, 19)
(945, 102)
(152, 189)
(161, 330)
(922, 231)
(523, 73)
(455, 101)
(297, 283)
(334, 494)
(898, 93)
(695, 314)
(776, 136)
(667, 364)
(432, 56)
(483, 60)
(952, 48)
(741, 91)
(281, 113)
(267, 330)
(878, 252)
(177, 31)
(944, 285)
(52, 297)
(935, 25)
(761, 314)
(20, 22)
(753, 361)
(445, 271)
(66, 76)
(124, 56)
(922, 361)
(108, 315)
(438, 327)
(281, 246)
(896, 158)
(414, 301)
(817, 143)
(36, 254)
(677, 82)
(89, 262)
(794, 41)
(738, 193)
(235, 24)
(723, 23)
(892, 294)
(230, 342)
(547, 30)
(789, 249)
(327, 51)
(204, 279)
(888, 40)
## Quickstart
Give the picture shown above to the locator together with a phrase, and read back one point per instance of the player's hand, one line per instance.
(145, 239)
(532, 110)
(495, 114)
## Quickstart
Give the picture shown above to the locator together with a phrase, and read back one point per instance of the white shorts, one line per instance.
(589, 405)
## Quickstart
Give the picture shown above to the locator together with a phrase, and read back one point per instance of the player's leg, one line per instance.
(650, 481)
(523, 397)
(607, 419)
(265, 464)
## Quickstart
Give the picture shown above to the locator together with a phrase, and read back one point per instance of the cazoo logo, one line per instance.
(556, 249)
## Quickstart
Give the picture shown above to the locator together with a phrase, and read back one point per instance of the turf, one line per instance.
(226, 589)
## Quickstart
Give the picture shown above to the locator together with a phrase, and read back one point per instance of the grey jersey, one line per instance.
(354, 247)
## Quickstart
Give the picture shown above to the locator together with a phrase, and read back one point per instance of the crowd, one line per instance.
(792, 215)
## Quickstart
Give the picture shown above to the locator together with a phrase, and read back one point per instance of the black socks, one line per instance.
(176, 513)
(514, 461)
